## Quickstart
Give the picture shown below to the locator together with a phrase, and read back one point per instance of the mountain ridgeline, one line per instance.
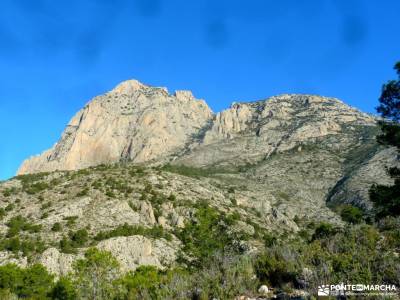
(320, 143)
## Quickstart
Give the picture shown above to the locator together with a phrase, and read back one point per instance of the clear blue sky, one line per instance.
(57, 55)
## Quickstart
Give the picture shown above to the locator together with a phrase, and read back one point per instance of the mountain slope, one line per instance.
(137, 164)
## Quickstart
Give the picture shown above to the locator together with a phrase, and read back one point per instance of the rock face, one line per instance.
(132, 122)
(134, 251)
(250, 132)
(131, 252)
(139, 123)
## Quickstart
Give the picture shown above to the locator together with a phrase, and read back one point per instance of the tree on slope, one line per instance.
(387, 198)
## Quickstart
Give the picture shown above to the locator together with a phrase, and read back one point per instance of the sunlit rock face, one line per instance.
(132, 122)
(141, 123)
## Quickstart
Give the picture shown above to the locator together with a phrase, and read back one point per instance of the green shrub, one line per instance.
(225, 276)
(27, 246)
(78, 238)
(35, 188)
(145, 283)
(171, 197)
(75, 239)
(324, 230)
(10, 191)
(71, 220)
(19, 223)
(56, 227)
(94, 275)
(46, 206)
(206, 234)
(9, 207)
(110, 193)
(66, 246)
(64, 289)
(3, 213)
(351, 214)
(34, 282)
(129, 230)
(192, 171)
(272, 268)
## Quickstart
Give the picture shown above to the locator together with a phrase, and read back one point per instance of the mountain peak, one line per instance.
(141, 123)
(129, 86)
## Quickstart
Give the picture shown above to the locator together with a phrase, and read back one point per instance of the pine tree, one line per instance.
(387, 198)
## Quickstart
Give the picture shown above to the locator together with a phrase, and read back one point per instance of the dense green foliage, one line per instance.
(207, 234)
(94, 275)
(75, 239)
(358, 253)
(387, 198)
(351, 214)
(129, 230)
(19, 223)
(354, 254)
(192, 171)
(33, 282)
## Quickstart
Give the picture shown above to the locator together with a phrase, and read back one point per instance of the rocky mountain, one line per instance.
(132, 122)
(133, 165)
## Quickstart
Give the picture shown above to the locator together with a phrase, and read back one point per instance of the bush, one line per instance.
(18, 223)
(192, 171)
(145, 283)
(71, 220)
(33, 282)
(75, 240)
(2, 213)
(9, 207)
(129, 230)
(56, 227)
(324, 230)
(63, 290)
(10, 191)
(206, 234)
(79, 237)
(94, 275)
(351, 214)
(225, 276)
(36, 187)
(273, 269)
(26, 246)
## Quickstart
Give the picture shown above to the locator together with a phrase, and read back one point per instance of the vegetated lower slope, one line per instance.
(196, 226)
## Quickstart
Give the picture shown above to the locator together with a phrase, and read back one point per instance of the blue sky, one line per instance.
(56, 55)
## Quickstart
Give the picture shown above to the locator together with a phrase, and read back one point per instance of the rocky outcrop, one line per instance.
(353, 188)
(132, 122)
(130, 252)
(58, 263)
(251, 132)
(134, 251)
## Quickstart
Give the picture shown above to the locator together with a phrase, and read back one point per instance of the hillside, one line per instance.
(156, 179)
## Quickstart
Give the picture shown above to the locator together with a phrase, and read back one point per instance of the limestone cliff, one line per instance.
(132, 122)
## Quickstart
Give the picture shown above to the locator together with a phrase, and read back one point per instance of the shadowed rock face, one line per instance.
(132, 122)
(140, 123)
